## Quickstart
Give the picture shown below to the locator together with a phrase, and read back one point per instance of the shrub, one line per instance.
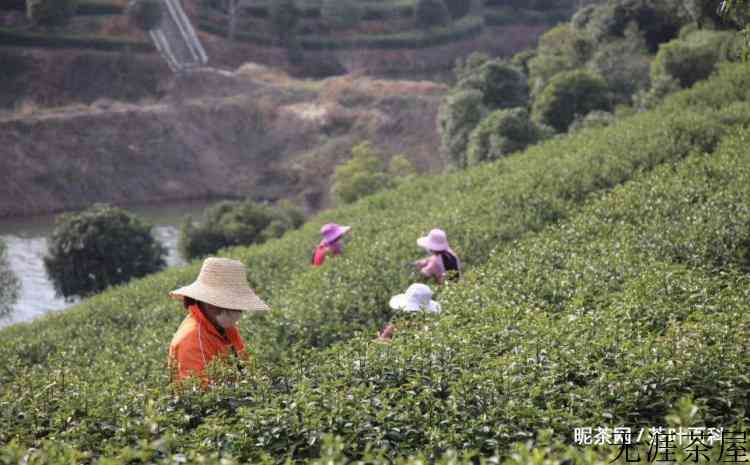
(690, 59)
(9, 285)
(431, 13)
(500, 133)
(232, 223)
(458, 8)
(145, 14)
(568, 95)
(595, 119)
(657, 20)
(562, 48)
(584, 265)
(660, 88)
(502, 85)
(625, 65)
(343, 14)
(50, 12)
(468, 67)
(459, 114)
(703, 12)
(362, 175)
(401, 166)
(284, 18)
(100, 247)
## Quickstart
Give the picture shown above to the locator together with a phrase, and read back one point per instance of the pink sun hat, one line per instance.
(436, 240)
(332, 232)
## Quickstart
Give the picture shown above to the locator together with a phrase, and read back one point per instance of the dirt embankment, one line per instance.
(252, 133)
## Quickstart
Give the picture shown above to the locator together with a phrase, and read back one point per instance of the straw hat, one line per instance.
(417, 297)
(222, 282)
(436, 240)
(332, 231)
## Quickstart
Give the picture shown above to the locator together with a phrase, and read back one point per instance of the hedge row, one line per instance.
(551, 327)
(370, 12)
(510, 16)
(599, 321)
(13, 38)
(98, 8)
(462, 30)
(634, 299)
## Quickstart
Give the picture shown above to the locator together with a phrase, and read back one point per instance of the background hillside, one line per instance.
(254, 133)
(607, 285)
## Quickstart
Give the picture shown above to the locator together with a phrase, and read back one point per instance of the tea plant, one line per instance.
(606, 283)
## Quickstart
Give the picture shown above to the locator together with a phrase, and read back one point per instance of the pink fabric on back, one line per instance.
(433, 266)
(322, 251)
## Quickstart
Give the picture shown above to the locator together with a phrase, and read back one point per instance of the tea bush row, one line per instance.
(607, 319)
(596, 321)
(94, 377)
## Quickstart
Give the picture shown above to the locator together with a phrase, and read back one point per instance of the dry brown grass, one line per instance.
(341, 88)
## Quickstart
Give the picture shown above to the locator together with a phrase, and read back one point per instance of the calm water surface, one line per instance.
(26, 241)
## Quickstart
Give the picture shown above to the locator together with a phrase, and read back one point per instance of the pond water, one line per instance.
(26, 241)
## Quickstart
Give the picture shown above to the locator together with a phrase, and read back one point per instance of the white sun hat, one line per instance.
(436, 240)
(222, 282)
(417, 297)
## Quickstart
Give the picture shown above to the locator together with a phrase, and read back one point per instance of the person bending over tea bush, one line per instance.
(215, 303)
(417, 298)
(330, 244)
(443, 262)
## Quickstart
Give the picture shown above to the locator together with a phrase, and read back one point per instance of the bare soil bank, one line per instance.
(244, 136)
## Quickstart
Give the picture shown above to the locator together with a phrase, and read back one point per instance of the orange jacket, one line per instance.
(197, 342)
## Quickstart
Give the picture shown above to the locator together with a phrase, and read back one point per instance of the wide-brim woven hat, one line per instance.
(332, 232)
(436, 240)
(418, 297)
(222, 282)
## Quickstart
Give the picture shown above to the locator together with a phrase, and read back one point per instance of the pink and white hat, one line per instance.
(436, 240)
(416, 298)
(332, 232)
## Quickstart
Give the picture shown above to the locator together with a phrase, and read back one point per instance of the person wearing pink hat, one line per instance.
(330, 243)
(443, 261)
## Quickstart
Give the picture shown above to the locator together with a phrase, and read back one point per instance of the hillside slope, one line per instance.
(607, 280)
(243, 136)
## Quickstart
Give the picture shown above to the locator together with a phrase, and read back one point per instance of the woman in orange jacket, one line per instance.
(215, 302)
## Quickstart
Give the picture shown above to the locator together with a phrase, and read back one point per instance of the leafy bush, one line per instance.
(458, 8)
(50, 12)
(501, 133)
(601, 287)
(467, 67)
(661, 87)
(362, 175)
(560, 49)
(284, 16)
(690, 59)
(30, 39)
(145, 14)
(9, 285)
(658, 21)
(431, 13)
(595, 119)
(100, 247)
(401, 166)
(624, 64)
(342, 14)
(231, 223)
(568, 95)
(459, 114)
(502, 85)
